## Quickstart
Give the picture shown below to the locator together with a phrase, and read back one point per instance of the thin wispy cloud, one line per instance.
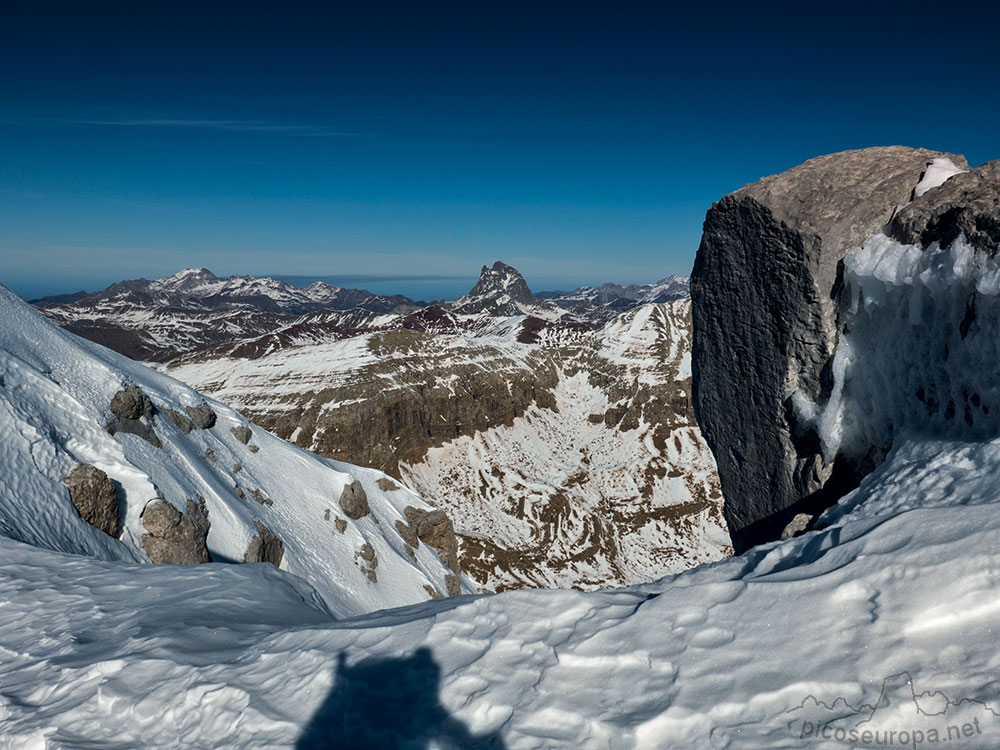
(244, 126)
(145, 119)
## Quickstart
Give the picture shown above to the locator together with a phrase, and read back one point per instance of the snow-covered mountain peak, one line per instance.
(502, 279)
(189, 280)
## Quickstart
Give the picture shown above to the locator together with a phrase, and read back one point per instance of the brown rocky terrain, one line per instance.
(570, 461)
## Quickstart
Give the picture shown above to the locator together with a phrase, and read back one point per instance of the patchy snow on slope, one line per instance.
(562, 500)
(290, 370)
(55, 395)
(651, 333)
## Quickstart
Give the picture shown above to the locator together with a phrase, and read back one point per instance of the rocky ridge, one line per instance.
(767, 307)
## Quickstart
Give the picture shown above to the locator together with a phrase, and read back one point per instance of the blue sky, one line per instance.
(581, 142)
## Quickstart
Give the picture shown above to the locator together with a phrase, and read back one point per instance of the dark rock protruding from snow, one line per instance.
(354, 501)
(433, 527)
(130, 406)
(264, 547)
(242, 433)
(202, 415)
(174, 537)
(765, 325)
(93, 495)
(131, 403)
(407, 534)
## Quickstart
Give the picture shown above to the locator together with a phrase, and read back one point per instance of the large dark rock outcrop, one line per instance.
(765, 323)
(264, 547)
(133, 415)
(93, 495)
(433, 527)
(174, 537)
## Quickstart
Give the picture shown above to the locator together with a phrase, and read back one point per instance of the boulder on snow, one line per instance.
(174, 537)
(765, 321)
(433, 527)
(202, 415)
(797, 526)
(242, 433)
(264, 547)
(93, 495)
(129, 407)
(354, 501)
(131, 403)
(387, 485)
(407, 534)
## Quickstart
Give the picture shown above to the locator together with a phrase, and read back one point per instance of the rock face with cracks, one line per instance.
(435, 529)
(265, 547)
(93, 495)
(764, 308)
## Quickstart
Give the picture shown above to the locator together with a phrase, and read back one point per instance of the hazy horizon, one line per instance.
(427, 288)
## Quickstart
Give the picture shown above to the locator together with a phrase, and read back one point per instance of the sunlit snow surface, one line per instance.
(55, 393)
(235, 656)
(883, 620)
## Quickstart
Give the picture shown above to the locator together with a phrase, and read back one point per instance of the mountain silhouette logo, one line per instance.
(901, 716)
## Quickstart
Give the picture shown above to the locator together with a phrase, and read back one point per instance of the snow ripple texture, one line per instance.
(884, 619)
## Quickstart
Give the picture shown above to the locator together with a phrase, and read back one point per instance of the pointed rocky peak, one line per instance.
(499, 280)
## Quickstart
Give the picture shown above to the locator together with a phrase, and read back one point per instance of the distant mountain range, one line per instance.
(557, 433)
(616, 295)
(196, 311)
(199, 288)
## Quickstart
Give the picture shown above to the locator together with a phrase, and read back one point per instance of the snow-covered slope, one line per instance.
(888, 617)
(876, 629)
(55, 397)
